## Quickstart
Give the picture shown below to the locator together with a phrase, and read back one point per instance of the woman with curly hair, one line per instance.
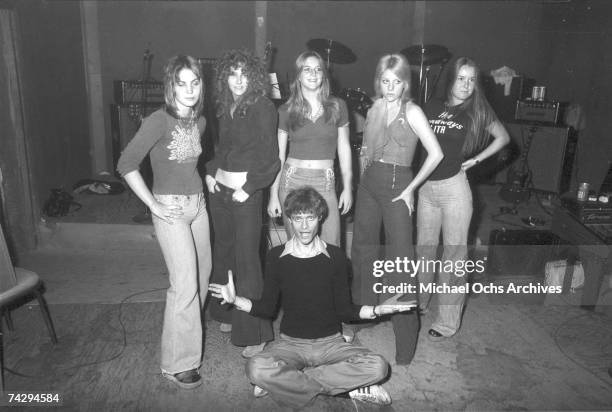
(245, 163)
(171, 135)
(315, 125)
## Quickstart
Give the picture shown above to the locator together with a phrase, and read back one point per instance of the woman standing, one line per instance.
(172, 137)
(245, 163)
(393, 127)
(316, 126)
(462, 124)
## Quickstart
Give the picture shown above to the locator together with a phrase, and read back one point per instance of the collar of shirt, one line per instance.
(319, 247)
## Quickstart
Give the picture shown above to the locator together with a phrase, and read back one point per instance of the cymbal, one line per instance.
(332, 50)
(430, 53)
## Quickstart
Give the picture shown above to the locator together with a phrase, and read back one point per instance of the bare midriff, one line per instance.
(310, 164)
(233, 180)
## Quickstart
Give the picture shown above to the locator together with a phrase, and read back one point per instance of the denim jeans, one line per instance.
(380, 183)
(185, 245)
(294, 371)
(237, 235)
(446, 206)
(323, 181)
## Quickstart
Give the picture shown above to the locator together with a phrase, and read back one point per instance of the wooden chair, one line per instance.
(17, 284)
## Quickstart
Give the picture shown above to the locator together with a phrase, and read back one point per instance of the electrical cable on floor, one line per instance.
(117, 355)
(555, 339)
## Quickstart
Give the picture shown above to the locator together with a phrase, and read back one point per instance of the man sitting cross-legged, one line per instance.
(310, 279)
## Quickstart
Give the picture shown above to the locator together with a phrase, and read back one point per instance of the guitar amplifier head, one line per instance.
(541, 112)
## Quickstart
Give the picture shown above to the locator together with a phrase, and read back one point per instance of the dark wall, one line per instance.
(54, 94)
(370, 29)
(166, 28)
(580, 71)
(494, 33)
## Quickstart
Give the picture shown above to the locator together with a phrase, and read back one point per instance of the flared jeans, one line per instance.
(444, 206)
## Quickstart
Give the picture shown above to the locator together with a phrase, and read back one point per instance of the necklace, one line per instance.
(315, 115)
(186, 123)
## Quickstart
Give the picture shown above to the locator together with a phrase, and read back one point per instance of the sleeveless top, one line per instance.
(398, 142)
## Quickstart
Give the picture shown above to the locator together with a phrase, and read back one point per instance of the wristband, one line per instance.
(374, 311)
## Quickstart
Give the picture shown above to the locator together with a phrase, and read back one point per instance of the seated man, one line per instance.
(310, 279)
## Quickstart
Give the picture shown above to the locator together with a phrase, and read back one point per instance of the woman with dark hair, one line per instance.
(315, 125)
(245, 163)
(462, 124)
(171, 136)
(393, 127)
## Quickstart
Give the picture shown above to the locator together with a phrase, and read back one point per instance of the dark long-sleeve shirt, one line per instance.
(249, 144)
(314, 293)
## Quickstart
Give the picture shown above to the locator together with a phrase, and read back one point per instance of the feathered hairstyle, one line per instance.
(399, 66)
(298, 107)
(476, 106)
(254, 70)
(171, 78)
(305, 199)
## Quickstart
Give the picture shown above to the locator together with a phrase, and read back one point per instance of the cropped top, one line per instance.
(451, 128)
(398, 141)
(248, 143)
(174, 149)
(316, 140)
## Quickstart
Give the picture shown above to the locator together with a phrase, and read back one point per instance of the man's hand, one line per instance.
(391, 305)
(226, 292)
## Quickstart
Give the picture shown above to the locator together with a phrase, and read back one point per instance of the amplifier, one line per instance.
(589, 212)
(136, 91)
(538, 111)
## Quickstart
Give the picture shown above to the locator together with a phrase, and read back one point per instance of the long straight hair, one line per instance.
(399, 66)
(171, 78)
(476, 106)
(299, 108)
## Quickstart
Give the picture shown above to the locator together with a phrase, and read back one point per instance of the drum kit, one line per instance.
(421, 57)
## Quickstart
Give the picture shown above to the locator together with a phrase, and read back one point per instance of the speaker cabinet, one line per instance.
(550, 158)
(519, 252)
(125, 120)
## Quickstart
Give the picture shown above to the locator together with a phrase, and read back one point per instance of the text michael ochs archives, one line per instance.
(459, 268)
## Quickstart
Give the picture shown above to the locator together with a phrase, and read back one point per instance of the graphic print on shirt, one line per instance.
(443, 122)
(185, 146)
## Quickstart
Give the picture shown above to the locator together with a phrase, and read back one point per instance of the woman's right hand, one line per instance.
(211, 184)
(274, 206)
(166, 212)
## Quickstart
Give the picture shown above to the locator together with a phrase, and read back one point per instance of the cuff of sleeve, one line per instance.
(249, 188)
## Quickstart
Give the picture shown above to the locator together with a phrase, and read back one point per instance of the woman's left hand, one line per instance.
(345, 201)
(468, 164)
(407, 196)
(240, 196)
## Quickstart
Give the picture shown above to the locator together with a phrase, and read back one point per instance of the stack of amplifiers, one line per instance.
(550, 158)
(539, 112)
(138, 91)
(125, 121)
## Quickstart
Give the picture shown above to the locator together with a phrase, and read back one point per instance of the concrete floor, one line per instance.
(513, 352)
